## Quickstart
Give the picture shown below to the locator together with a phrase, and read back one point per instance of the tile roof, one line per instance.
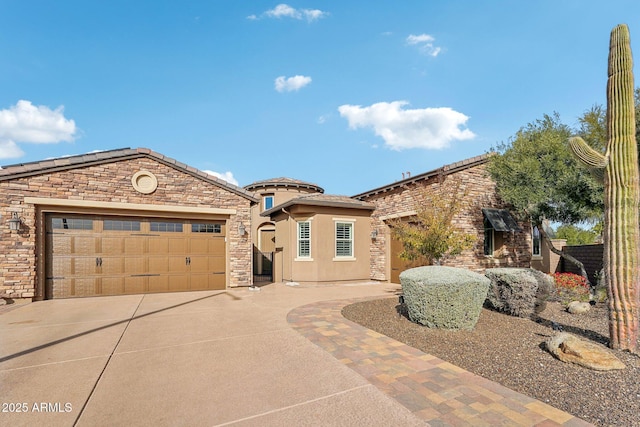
(22, 170)
(283, 182)
(444, 170)
(330, 200)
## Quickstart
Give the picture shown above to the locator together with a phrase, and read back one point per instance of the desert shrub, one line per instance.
(518, 291)
(444, 297)
(571, 287)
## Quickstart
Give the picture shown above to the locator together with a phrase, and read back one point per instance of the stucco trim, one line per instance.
(127, 206)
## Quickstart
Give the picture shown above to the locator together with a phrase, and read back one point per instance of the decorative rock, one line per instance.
(518, 291)
(3, 301)
(577, 307)
(570, 349)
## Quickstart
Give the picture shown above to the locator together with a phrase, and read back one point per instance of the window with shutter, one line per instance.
(344, 239)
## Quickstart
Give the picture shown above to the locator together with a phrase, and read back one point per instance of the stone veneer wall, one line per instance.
(516, 249)
(110, 182)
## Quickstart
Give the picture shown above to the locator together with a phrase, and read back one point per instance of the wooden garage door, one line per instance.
(94, 255)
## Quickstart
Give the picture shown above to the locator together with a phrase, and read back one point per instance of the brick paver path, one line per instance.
(440, 393)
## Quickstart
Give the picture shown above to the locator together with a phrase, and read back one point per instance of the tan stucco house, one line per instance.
(133, 221)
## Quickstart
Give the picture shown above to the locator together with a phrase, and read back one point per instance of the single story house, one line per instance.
(132, 221)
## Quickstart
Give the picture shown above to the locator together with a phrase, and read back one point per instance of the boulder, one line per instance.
(570, 349)
(520, 292)
(577, 307)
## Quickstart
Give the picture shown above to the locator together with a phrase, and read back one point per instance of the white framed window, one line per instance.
(535, 241)
(344, 239)
(304, 239)
(267, 202)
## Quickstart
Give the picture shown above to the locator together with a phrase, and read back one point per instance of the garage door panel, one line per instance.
(135, 265)
(207, 245)
(60, 244)
(217, 245)
(159, 264)
(178, 283)
(83, 287)
(217, 264)
(217, 281)
(177, 264)
(84, 245)
(83, 266)
(158, 283)
(158, 246)
(112, 285)
(112, 246)
(112, 265)
(177, 246)
(207, 281)
(60, 288)
(134, 245)
(62, 267)
(134, 284)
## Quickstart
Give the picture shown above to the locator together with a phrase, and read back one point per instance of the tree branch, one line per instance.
(566, 256)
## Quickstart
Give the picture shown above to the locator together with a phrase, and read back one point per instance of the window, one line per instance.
(344, 239)
(488, 237)
(304, 239)
(72, 223)
(535, 238)
(171, 227)
(267, 202)
(206, 228)
(120, 225)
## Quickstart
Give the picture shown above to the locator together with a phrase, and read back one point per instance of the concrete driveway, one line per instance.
(201, 358)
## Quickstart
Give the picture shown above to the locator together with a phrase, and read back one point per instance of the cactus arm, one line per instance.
(587, 155)
(595, 161)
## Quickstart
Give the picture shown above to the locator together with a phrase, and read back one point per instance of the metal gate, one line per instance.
(262, 266)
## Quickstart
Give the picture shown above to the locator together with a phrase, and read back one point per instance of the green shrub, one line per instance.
(518, 291)
(444, 297)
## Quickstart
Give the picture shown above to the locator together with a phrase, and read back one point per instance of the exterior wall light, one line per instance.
(15, 223)
(241, 229)
(374, 234)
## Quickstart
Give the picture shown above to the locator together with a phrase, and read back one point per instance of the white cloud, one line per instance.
(424, 42)
(428, 128)
(285, 11)
(289, 84)
(27, 123)
(323, 119)
(227, 176)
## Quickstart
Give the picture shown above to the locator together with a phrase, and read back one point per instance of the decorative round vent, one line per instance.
(144, 182)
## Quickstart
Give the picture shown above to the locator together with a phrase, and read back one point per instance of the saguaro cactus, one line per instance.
(619, 168)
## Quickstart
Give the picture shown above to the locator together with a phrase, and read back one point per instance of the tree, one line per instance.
(430, 235)
(536, 173)
(576, 235)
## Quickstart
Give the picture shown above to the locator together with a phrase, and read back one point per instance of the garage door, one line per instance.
(99, 255)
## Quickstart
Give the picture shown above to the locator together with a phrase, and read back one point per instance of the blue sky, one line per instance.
(344, 94)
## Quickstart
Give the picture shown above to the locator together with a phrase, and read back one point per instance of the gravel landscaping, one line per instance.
(510, 351)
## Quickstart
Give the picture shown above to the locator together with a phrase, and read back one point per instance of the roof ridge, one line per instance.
(98, 157)
(449, 168)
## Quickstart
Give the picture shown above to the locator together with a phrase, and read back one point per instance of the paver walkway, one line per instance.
(436, 391)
